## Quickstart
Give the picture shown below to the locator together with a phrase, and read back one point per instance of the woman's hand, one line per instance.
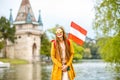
(64, 68)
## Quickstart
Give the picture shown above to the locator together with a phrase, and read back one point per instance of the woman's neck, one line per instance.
(61, 39)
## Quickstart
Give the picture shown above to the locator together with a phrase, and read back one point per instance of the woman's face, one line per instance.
(59, 33)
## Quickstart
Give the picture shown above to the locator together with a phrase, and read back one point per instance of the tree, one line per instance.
(1, 42)
(110, 48)
(45, 45)
(107, 17)
(91, 49)
(107, 25)
(6, 32)
(78, 51)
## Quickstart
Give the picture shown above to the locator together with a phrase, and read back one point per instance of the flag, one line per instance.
(77, 33)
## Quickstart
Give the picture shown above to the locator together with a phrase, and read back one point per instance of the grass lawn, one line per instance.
(13, 61)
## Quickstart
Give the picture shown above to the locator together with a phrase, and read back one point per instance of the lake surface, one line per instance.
(85, 70)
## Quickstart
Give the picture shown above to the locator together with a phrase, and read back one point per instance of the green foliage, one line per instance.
(107, 17)
(14, 61)
(2, 44)
(78, 51)
(45, 45)
(52, 30)
(107, 24)
(6, 32)
(110, 48)
(91, 49)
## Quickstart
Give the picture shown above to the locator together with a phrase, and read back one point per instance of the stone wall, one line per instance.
(10, 51)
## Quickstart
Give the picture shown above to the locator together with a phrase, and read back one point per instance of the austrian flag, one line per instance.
(77, 33)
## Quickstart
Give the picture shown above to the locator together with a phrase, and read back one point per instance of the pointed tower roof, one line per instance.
(39, 19)
(25, 13)
(29, 18)
(10, 17)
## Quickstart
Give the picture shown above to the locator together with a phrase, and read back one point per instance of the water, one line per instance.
(85, 70)
(21, 72)
(92, 71)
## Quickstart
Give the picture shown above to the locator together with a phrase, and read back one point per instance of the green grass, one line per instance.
(13, 61)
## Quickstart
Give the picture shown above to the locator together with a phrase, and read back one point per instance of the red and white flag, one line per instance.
(77, 33)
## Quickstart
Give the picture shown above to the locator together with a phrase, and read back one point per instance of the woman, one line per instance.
(62, 55)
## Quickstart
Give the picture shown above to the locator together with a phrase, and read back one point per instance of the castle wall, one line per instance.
(10, 51)
(37, 41)
(27, 44)
(24, 47)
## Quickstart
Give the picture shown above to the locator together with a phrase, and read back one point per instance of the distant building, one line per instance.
(28, 33)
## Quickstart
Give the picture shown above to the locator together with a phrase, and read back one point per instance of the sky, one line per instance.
(53, 12)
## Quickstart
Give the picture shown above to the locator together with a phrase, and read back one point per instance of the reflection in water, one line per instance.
(87, 70)
(22, 72)
(117, 74)
(84, 71)
(46, 71)
(117, 78)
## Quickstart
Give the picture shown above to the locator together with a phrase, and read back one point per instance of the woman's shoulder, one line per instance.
(69, 40)
(53, 42)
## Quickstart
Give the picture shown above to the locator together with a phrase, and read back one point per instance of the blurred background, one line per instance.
(97, 59)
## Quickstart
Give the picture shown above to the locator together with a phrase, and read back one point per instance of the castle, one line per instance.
(28, 33)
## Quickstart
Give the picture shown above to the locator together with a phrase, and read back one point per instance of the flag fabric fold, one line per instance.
(77, 33)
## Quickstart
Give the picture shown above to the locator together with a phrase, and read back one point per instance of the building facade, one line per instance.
(28, 33)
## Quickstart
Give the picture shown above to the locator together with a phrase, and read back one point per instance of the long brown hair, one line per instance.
(67, 46)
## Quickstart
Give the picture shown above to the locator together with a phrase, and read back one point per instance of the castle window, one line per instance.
(19, 37)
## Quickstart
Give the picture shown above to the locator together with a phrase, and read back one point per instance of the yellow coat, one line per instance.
(56, 71)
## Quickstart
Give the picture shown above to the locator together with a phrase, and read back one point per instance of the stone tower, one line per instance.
(28, 33)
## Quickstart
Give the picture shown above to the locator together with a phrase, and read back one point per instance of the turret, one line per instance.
(10, 17)
(39, 19)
